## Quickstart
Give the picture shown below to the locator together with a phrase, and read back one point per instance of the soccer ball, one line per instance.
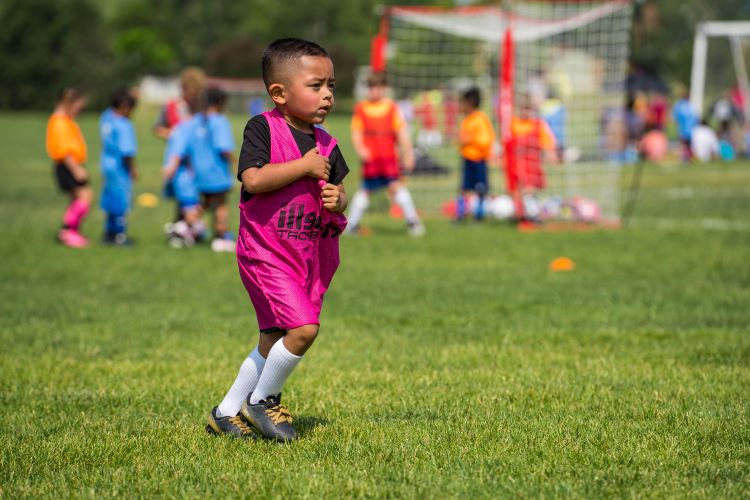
(571, 154)
(501, 207)
(531, 207)
(586, 210)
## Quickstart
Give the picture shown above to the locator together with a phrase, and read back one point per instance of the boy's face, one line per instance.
(465, 106)
(375, 92)
(307, 93)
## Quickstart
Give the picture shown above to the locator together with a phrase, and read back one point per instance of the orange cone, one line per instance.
(561, 264)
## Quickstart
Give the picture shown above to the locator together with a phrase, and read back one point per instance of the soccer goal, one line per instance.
(738, 35)
(554, 68)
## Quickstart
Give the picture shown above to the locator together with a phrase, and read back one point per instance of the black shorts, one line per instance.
(65, 179)
(212, 200)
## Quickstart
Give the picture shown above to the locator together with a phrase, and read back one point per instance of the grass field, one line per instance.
(455, 365)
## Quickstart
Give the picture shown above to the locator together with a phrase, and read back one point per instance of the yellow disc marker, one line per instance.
(148, 200)
(561, 264)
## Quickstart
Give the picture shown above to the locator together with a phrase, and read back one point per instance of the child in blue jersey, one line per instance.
(119, 147)
(214, 148)
(179, 177)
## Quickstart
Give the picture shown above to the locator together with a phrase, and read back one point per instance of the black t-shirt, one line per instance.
(256, 150)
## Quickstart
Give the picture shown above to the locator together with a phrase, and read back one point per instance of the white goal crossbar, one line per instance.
(735, 31)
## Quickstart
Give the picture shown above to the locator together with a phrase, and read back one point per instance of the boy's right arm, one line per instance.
(273, 176)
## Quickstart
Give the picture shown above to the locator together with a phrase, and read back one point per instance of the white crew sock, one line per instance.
(403, 199)
(279, 366)
(243, 385)
(357, 208)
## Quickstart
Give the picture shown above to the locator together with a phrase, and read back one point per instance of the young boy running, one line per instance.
(290, 220)
(118, 169)
(378, 132)
(476, 138)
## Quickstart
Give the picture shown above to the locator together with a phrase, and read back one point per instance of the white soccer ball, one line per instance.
(531, 207)
(571, 154)
(501, 207)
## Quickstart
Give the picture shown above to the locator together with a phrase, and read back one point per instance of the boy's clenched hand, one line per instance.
(331, 198)
(316, 165)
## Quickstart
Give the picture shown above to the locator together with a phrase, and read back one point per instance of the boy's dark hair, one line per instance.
(215, 97)
(472, 96)
(123, 97)
(283, 51)
(377, 79)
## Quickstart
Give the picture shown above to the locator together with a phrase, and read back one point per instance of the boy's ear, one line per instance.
(277, 93)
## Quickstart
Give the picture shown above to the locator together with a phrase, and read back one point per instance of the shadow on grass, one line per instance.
(308, 423)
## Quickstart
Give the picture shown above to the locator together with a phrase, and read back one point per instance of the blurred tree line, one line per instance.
(100, 45)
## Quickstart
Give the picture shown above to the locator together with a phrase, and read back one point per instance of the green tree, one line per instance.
(47, 45)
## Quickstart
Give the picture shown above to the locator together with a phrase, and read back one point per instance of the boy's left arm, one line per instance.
(334, 198)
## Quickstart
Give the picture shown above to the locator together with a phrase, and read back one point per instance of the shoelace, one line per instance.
(279, 414)
(240, 424)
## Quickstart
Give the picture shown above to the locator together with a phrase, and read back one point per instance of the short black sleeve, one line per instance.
(256, 149)
(256, 145)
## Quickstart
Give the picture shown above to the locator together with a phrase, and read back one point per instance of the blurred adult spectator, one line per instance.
(739, 99)
(658, 110)
(726, 114)
(634, 120)
(654, 145)
(704, 142)
(686, 120)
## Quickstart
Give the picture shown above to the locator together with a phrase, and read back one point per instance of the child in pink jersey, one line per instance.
(290, 221)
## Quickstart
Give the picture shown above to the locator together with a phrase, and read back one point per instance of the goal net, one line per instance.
(551, 75)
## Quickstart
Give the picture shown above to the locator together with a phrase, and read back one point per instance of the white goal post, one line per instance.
(736, 32)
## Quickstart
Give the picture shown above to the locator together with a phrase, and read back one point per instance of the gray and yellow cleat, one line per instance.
(270, 418)
(231, 426)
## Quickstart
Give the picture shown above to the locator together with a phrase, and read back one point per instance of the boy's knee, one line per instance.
(299, 340)
(306, 334)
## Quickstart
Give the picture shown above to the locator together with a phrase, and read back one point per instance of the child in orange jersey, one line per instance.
(379, 134)
(66, 147)
(532, 142)
(476, 139)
